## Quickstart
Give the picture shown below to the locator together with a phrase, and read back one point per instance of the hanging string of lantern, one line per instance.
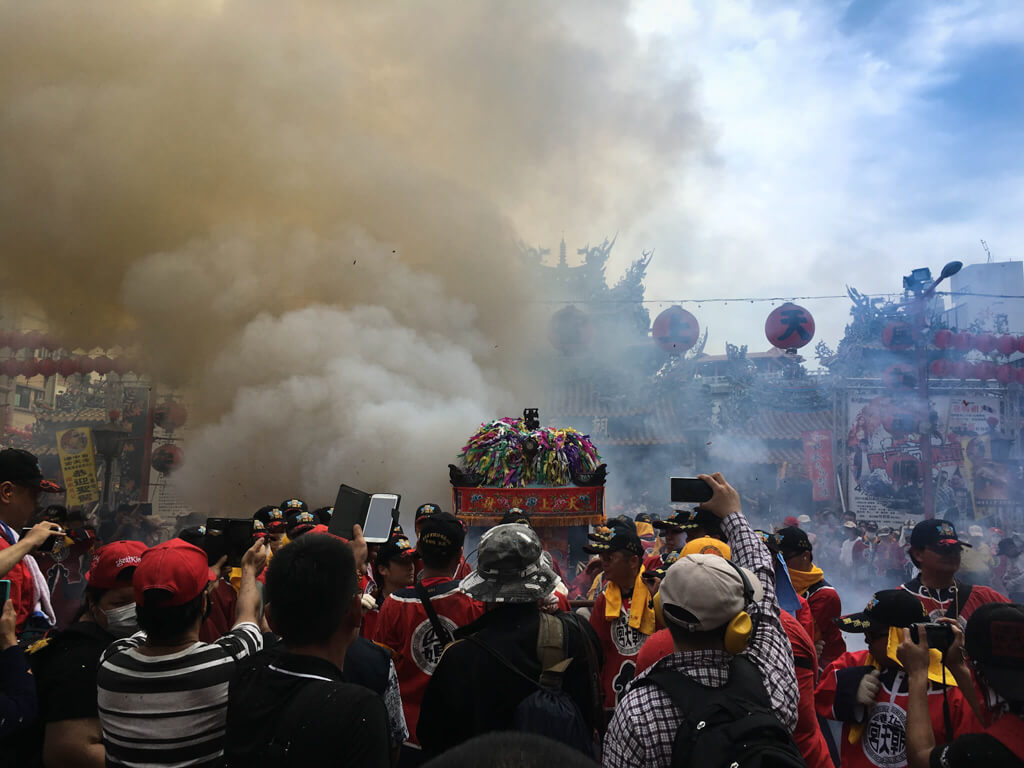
(989, 344)
(66, 365)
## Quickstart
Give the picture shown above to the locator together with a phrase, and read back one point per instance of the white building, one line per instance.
(995, 281)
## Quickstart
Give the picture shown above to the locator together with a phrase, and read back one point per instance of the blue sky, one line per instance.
(849, 143)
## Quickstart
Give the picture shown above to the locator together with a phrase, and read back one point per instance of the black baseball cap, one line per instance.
(674, 522)
(622, 536)
(643, 517)
(888, 608)
(515, 515)
(291, 505)
(300, 518)
(792, 540)
(705, 519)
(994, 641)
(935, 533)
(442, 534)
(427, 510)
(324, 514)
(22, 468)
(395, 548)
(272, 517)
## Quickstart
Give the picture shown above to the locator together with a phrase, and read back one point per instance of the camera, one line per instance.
(940, 636)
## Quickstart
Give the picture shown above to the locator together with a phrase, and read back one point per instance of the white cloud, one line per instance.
(832, 165)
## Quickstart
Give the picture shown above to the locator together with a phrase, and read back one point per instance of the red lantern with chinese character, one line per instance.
(170, 415)
(962, 341)
(570, 330)
(985, 370)
(985, 343)
(67, 366)
(47, 367)
(1006, 345)
(28, 367)
(102, 365)
(939, 368)
(944, 339)
(1005, 373)
(898, 336)
(902, 416)
(167, 458)
(675, 330)
(900, 376)
(789, 326)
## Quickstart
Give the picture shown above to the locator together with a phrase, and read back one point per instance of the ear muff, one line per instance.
(659, 615)
(740, 628)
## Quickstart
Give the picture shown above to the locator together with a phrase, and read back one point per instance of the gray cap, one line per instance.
(511, 567)
(704, 592)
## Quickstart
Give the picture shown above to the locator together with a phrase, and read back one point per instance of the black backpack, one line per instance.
(728, 727)
(550, 711)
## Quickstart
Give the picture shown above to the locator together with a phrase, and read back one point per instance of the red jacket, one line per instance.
(808, 736)
(403, 626)
(883, 742)
(826, 606)
(22, 587)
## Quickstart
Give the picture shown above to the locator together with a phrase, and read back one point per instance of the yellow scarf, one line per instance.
(804, 580)
(934, 671)
(644, 529)
(641, 612)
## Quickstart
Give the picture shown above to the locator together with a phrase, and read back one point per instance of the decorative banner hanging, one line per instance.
(675, 330)
(570, 330)
(564, 506)
(789, 326)
(78, 465)
(820, 467)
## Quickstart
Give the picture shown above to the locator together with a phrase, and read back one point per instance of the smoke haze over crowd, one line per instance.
(304, 214)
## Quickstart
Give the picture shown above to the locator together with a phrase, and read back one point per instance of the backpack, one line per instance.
(728, 727)
(550, 711)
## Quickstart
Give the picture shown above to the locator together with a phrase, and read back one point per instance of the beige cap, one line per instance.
(704, 592)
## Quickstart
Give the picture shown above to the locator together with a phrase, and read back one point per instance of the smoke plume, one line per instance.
(304, 214)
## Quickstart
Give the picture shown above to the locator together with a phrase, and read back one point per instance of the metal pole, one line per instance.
(925, 434)
(108, 468)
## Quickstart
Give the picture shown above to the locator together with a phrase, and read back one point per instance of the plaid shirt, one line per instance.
(645, 723)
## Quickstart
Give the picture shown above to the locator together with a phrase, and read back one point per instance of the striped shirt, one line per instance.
(169, 710)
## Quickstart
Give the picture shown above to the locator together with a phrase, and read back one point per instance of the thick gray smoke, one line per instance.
(304, 214)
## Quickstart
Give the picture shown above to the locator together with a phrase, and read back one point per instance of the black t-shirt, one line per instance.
(338, 724)
(972, 750)
(65, 671)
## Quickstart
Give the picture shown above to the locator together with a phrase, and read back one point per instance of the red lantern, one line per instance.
(985, 343)
(28, 367)
(85, 364)
(962, 341)
(570, 330)
(67, 366)
(1020, 343)
(900, 376)
(1020, 375)
(47, 367)
(961, 369)
(122, 365)
(984, 370)
(8, 367)
(789, 326)
(1005, 374)
(1006, 345)
(5, 338)
(167, 458)
(31, 340)
(898, 336)
(170, 415)
(675, 330)
(944, 339)
(102, 365)
(939, 368)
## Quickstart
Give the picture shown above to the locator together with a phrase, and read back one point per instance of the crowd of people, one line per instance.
(690, 640)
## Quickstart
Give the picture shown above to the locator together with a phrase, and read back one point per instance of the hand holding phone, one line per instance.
(5, 590)
(380, 517)
(690, 489)
(41, 537)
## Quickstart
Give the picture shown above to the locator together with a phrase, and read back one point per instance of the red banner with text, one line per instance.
(564, 506)
(820, 468)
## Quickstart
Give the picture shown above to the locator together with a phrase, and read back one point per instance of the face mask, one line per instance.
(122, 622)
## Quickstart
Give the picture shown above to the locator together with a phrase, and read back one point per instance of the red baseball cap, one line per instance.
(109, 560)
(174, 566)
(791, 521)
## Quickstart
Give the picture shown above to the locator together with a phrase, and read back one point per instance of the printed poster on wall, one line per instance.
(884, 453)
